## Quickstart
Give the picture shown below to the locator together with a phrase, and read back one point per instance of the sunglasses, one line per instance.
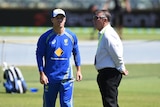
(98, 17)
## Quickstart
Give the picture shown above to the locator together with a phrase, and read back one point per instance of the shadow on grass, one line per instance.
(3, 92)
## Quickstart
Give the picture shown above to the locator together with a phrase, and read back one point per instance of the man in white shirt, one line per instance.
(109, 59)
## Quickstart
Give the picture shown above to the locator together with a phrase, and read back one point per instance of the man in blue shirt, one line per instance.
(54, 51)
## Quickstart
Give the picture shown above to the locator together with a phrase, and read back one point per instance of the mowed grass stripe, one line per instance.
(139, 89)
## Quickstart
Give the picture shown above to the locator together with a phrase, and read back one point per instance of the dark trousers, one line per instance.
(108, 80)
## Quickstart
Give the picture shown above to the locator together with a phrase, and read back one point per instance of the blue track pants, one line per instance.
(51, 90)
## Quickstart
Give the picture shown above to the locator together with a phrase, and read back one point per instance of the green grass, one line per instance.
(84, 33)
(141, 88)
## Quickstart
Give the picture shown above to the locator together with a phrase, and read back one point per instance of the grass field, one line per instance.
(141, 88)
(84, 33)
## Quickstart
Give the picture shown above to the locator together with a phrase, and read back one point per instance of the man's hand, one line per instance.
(125, 72)
(78, 76)
(43, 78)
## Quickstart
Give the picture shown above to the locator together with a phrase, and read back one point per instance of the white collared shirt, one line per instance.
(110, 50)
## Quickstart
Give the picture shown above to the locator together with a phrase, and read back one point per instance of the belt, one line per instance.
(106, 69)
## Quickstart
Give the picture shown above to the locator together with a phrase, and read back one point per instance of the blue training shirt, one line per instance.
(54, 54)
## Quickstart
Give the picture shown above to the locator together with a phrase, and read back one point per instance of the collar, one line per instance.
(61, 32)
(104, 29)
